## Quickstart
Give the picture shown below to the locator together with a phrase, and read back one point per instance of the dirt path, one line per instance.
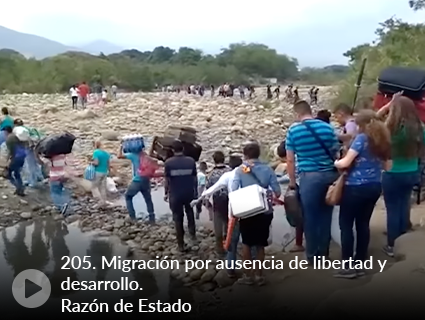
(300, 292)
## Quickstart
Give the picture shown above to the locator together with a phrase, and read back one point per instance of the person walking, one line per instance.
(181, 187)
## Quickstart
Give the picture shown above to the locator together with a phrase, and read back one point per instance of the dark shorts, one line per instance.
(255, 230)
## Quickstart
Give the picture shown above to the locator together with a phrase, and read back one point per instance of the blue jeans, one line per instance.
(317, 214)
(144, 187)
(2, 136)
(58, 194)
(397, 188)
(32, 168)
(233, 248)
(15, 169)
(356, 208)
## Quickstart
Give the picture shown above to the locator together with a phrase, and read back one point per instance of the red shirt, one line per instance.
(83, 90)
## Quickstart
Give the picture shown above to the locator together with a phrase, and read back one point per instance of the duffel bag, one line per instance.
(409, 80)
(55, 144)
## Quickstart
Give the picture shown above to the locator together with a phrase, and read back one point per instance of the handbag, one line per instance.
(334, 193)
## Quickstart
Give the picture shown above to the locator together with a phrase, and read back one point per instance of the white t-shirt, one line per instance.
(104, 94)
(225, 181)
(73, 92)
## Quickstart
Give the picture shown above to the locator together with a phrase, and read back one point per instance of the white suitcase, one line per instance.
(249, 201)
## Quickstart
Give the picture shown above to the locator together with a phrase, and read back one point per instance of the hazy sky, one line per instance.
(316, 32)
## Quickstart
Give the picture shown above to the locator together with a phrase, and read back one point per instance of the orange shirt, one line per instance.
(83, 90)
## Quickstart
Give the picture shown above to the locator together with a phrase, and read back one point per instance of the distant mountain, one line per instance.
(31, 45)
(98, 46)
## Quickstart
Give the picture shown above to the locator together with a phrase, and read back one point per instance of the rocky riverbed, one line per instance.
(222, 123)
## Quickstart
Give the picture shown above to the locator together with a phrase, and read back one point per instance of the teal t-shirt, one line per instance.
(103, 158)
(404, 164)
(135, 161)
(7, 122)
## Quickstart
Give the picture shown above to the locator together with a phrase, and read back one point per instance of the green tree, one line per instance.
(398, 43)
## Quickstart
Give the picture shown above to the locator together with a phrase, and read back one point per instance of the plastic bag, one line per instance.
(293, 207)
(4, 155)
(22, 133)
(110, 185)
(90, 173)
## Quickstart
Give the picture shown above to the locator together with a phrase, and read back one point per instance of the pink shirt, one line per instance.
(57, 168)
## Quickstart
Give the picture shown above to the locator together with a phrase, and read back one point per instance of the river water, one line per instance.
(41, 244)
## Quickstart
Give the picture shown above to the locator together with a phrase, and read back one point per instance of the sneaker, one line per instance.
(346, 274)
(64, 209)
(360, 272)
(389, 251)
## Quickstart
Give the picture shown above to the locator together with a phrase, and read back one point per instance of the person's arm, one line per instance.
(222, 182)
(274, 184)
(387, 165)
(195, 180)
(166, 180)
(355, 148)
(11, 146)
(95, 159)
(236, 181)
(351, 132)
(290, 160)
(121, 155)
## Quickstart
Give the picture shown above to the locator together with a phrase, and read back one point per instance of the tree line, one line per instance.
(397, 43)
(240, 63)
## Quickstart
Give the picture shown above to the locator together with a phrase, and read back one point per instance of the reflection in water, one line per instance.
(98, 249)
(16, 252)
(51, 240)
(59, 250)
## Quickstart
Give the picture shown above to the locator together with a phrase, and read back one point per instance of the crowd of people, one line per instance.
(375, 152)
(81, 93)
(228, 90)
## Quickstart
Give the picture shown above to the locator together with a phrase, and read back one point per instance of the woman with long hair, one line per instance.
(367, 156)
(407, 146)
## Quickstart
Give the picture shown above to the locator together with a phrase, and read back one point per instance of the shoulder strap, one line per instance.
(257, 180)
(320, 141)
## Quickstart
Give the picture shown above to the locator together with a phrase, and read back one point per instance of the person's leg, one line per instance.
(58, 195)
(349, 206)
(409, 181)
(190, 215)
(103, 188)
(325, 214)
(132, 190)
(299, 237)
(317, 215)
(176, 206)
(146, 192)
(198, 209)
(232, 250)
(218, 229)
(392, 196)
(371, 194)
(19, 164)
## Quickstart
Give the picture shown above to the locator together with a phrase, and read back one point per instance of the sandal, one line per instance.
(245, 281)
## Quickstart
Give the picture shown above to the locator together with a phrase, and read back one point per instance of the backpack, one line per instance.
(214, 176)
